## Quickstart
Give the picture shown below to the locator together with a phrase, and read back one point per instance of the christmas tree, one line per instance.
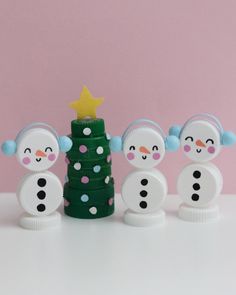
(89, 190)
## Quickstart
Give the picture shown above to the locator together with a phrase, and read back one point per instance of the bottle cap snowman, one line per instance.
(40, 193)
(144, 190)
(199, 184)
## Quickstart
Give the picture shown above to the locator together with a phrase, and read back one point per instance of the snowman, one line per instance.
(40, 192)
(200, 183)
(144, 189)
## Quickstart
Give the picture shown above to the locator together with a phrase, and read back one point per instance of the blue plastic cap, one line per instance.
(172, 143)
(65, 143)
(116, 144)
(175, 130)
(9, 147)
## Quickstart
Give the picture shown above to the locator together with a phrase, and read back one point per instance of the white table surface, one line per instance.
(108, 257)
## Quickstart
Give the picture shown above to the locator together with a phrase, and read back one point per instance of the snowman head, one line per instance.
(202, 137)
(144, 146)
(37, 146)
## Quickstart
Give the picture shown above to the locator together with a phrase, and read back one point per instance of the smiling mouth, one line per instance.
(38, 159)
(144, 157)
(198, 150)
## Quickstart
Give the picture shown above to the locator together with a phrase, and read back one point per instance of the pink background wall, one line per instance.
(160, 59)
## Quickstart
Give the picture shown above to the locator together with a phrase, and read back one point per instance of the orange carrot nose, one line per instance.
(40, 154)
(200, 143)
(144, 150)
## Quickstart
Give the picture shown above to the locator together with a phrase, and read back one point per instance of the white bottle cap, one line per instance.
(194, 214)
(143, 220)
(28, 221)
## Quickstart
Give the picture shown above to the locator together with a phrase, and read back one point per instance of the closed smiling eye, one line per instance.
(210, 140)
(48, 149)
(189, 137)
(155, 148)
(132, 148)
(27, 150)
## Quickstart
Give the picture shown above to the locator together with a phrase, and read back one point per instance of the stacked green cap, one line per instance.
(89, 190)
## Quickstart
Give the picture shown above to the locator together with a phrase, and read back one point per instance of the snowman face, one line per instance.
(144, 148)
(200, 141)
(37, 149)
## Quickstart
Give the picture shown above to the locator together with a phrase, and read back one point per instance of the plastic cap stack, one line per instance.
(89, 190)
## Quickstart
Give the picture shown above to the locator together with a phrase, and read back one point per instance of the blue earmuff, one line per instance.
(65, 143)
(9, 147)
(116, 144)
(228, 138)
(175, 130)
(171, 142)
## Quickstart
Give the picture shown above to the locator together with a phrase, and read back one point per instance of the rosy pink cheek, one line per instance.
(26, 160)
(187, 148)
(211, 149)
(156, 156)
(51, 157)
(130, 156)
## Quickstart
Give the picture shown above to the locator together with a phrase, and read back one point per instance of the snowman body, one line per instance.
(40, 192)
(200, 183)
(145, 188)
(144, 191)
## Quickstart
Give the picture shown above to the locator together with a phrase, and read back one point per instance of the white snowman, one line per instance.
(200, 183)
(144, 190)
(40, 192)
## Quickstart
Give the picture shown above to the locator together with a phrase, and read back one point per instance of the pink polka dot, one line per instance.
(85, 179)
(66, 203)
(51, 157)
(156, 156)
(110, 201)
(26, 160)
(67, 160)
(211, 149)
(108, 158)
(187, 148)
(83, 149)
(130, 156)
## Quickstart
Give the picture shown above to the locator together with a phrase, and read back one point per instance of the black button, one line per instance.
(196, 174)
(41, 195)
(42, 182)
(144, 181)
(41, 207)
(195, 197)
(143, 204)
(143, 194)
(196, 186)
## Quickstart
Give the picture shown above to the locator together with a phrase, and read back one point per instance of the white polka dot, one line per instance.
(99, 150)
(66, 178)
(87, 131)
(93, 210)
(108, 136)
(77, 166)
(107, 179)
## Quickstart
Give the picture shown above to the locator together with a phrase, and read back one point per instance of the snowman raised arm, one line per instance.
(40, 192)
(200, 183)
(144, 145)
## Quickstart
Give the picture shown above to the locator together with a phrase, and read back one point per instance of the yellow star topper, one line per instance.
(86, 105)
